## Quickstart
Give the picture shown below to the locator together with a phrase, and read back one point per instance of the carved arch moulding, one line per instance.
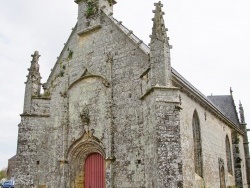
(77, 154)
(87, 74)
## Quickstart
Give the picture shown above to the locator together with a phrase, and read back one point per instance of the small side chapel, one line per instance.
(114, 114)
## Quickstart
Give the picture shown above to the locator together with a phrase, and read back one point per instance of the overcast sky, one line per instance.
(210, 41)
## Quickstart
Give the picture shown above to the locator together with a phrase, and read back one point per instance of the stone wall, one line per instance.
(163, 154)
(111, 67)
(213, 135)
(97, 99)
(11, 167)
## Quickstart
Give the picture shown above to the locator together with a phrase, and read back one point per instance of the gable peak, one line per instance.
(90, 13)
(95, 5)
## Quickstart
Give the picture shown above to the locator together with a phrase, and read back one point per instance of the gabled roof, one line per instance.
(225, 103)
(222, 105)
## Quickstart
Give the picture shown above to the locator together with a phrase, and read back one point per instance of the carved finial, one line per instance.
(241, 111)
(35, 57)
(34, 68)
(34, 77)
(160, 74)
(159, 29)
(231, 91)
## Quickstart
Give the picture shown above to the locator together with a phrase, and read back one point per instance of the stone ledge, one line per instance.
(86, 31)
(158, 88)
(43, 98)
(34, 115)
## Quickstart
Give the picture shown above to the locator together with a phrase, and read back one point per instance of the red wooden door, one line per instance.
(94, 171)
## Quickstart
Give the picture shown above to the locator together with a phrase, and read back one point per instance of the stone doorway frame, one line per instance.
(77, 154)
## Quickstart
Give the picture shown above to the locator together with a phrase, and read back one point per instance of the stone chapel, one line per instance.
(114, 114)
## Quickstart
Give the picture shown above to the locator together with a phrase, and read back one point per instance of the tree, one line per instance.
(3, 173)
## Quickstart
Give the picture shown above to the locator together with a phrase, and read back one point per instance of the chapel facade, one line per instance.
(115, 114)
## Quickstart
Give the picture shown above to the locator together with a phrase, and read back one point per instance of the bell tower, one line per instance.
(89, 14)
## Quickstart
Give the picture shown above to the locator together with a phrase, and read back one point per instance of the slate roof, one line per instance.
(225, 103)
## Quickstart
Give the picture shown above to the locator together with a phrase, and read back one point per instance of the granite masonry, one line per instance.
(111, 95)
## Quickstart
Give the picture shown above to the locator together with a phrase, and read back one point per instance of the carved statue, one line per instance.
(109, 58)
(85, 114)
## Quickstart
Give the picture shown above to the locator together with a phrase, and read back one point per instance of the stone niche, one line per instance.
(89, 94)
(88, 123)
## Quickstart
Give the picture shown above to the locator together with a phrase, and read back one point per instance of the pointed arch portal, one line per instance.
(87, 164)
(94, 172)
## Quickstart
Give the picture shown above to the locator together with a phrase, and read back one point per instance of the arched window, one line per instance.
(229, 158)
(197, 145)
(94, 171)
